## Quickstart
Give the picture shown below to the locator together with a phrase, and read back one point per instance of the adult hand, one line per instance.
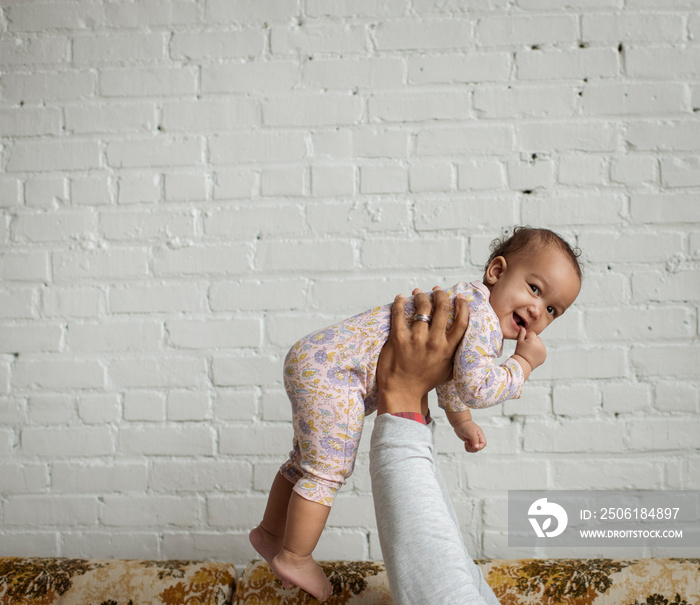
(416, 359)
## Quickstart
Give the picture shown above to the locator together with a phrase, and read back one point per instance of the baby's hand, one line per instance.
(531, 348)
(472, 435)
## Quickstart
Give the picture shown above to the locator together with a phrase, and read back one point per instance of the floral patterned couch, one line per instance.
(53, 581)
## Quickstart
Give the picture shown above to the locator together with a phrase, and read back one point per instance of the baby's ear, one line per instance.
(495, 269)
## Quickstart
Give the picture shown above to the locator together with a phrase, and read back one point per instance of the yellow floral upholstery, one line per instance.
(52, 581)
(515, 582)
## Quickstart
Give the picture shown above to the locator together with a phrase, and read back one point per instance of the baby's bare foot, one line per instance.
(302, 571)
(267, 544)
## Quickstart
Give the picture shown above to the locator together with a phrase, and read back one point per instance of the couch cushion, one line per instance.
(51, 581)
(515, 582)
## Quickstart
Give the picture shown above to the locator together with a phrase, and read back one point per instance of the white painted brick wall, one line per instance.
(188, 186)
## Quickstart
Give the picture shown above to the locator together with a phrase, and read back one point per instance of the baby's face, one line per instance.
(531, 290)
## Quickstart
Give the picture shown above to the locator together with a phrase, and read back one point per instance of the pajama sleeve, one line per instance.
(477, 381)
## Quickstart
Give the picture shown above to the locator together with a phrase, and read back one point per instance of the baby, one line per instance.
(530, 279)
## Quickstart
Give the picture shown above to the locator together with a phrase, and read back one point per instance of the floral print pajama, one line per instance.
(330, 378)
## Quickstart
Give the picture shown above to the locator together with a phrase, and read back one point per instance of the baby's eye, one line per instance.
(552, 311)
(534, 288)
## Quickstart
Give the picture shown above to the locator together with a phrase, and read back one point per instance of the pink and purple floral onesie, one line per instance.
(330, 378)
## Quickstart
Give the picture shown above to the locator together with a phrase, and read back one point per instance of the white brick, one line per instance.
(100, 545)
(459, 212)
(352, 8)
(635, 171)
(6, 441)
(246, 371)
(529, 175)
(99, 408)
(144, 12)
(17, 303)
(201, 260)
(51, 409)
(235, 404)
(23, 122)
(147, 225)
(332, 180)
(34, 544)
(147, 511)
(176, 441)
(148, 81)
(49, 86)
(194, 46)
(157, 151)
(586, 364)
(117, 48)
(209, 116)
(566, 210)
(524, 101)
(282, 182)
(9, 193)
(633, 27)
(423, 34)
(630, 247)
(234, 184)
(203, 546)
(31, 338)
(577, 136)
(386, 178)
(680, 172)
(573, 436)
(466, 140)
(312, 110)
(184, 187)
(200, 476)
(352, 217)
(91, 191)
(69, 477)
(662, 434)
(51, 510)
(681, 286)
(214, 334)
(160, 372)
(633, 99)
(139, 188)
(662, 63)
(459, 68)
(494, 473)
(12, 411)
(111, 118)
(666, 360)
(580, 169)
(629, 322)
(263, 146)
(22, 478)
(625, 397)
(41, 16)
(418, 107)
(34, 51)
(675, 397)
(353, 73)
(72, 302)
(310, 39)
(144, 406)
(188, 405)
(273, 439)
(252, 295)
(481, 175)
(257, 77)
(426, 253)
(54, 226)
(578, 64)
(102, 263)
(58, 373)
(303, 255)
(430, 177)
(674, 135)
(54, 155)
(511, 30)
(60, 442)
(156, 298)
(623, 474)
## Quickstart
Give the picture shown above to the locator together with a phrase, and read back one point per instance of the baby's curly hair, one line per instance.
(528, 239)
